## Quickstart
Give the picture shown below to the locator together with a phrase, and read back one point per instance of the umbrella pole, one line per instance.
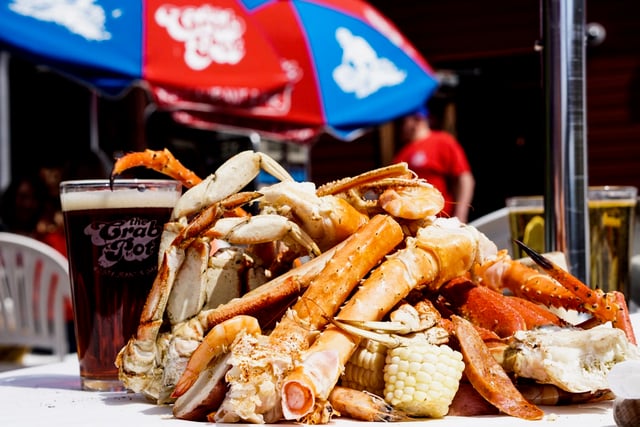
(564, 47)
(5, 149)
(94, 132)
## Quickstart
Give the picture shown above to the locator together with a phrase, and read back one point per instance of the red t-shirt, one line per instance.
(437, 158)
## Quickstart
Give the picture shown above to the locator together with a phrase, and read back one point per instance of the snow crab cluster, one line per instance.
(243, 320)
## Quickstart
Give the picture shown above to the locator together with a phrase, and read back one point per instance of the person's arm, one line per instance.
(463, 188)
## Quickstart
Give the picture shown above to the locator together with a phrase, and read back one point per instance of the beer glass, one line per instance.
(526, 223)
(611, 221)
(611, 232)
(113, 236)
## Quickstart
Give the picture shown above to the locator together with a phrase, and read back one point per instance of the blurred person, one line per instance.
(438, 157)
(21, 205)
(86, 164)
(51, 222)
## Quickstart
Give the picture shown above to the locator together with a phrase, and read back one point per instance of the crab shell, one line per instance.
(576, 360)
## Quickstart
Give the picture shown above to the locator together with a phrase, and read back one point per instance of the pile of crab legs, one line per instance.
(350, 249)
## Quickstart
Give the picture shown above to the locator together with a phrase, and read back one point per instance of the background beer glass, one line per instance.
(112, 244)
(611, 232)
(526, 223)
(611, 222)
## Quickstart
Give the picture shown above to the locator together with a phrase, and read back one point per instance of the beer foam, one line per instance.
(120, 198)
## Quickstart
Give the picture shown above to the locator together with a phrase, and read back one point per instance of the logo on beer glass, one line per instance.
(128, 240)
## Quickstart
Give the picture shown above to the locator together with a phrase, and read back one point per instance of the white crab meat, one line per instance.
(575, 360)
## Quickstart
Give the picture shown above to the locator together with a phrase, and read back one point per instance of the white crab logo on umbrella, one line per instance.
(81, 17)
(362, 71)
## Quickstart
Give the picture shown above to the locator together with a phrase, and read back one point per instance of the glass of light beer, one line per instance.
(113, 236)
(526, 223)
(611, 221)
(611, 232)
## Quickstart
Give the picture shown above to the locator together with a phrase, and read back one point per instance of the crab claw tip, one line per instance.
(535, 256)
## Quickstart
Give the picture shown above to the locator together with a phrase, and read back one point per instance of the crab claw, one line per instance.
(605, 307)
(161, 161)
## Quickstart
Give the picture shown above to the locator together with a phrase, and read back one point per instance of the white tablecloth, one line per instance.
(50, 395)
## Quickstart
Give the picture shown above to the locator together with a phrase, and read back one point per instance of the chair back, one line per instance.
(34, 283)
(495, 225)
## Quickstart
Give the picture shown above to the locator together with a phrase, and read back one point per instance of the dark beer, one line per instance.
(113, 254)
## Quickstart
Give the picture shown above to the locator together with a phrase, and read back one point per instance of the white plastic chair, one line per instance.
(34, 283)
(495, 225)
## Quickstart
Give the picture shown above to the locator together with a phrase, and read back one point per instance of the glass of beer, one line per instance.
(113, 235)
(526, 223)
(611, 222)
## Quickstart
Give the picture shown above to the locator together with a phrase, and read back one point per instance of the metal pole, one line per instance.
(5, 134)
(564, 47)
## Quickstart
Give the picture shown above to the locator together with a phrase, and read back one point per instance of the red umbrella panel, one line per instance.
(211, 53)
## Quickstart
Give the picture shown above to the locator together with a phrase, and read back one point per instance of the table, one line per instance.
(50, 395)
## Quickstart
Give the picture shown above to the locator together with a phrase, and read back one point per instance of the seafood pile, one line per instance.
(265, 302)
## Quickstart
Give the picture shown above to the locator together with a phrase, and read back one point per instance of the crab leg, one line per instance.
(161, 161)
(343, 185)
(428, 261)
(488, 377)
(607, 307)
(205, 218)
(137, 359)
(364, 406)
(402, 194)
(255, 371)
(504, 273)
(328, 219)
(230, 178)
(492, 310)
(215, 342)
(262, 229)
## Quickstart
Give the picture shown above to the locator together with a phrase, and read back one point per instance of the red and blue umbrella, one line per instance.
(350, 69)
(204, 51)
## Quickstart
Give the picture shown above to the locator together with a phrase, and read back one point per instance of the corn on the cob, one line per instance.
(364, 370)
(422, 379)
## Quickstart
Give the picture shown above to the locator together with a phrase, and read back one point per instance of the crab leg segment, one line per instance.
(607, 307)
(343, 185)
(502, 273)
(207, 217)
(488, 377)
(161, 161)
(262, 229)
(492, 310)
(215, 342)
(138, 356)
